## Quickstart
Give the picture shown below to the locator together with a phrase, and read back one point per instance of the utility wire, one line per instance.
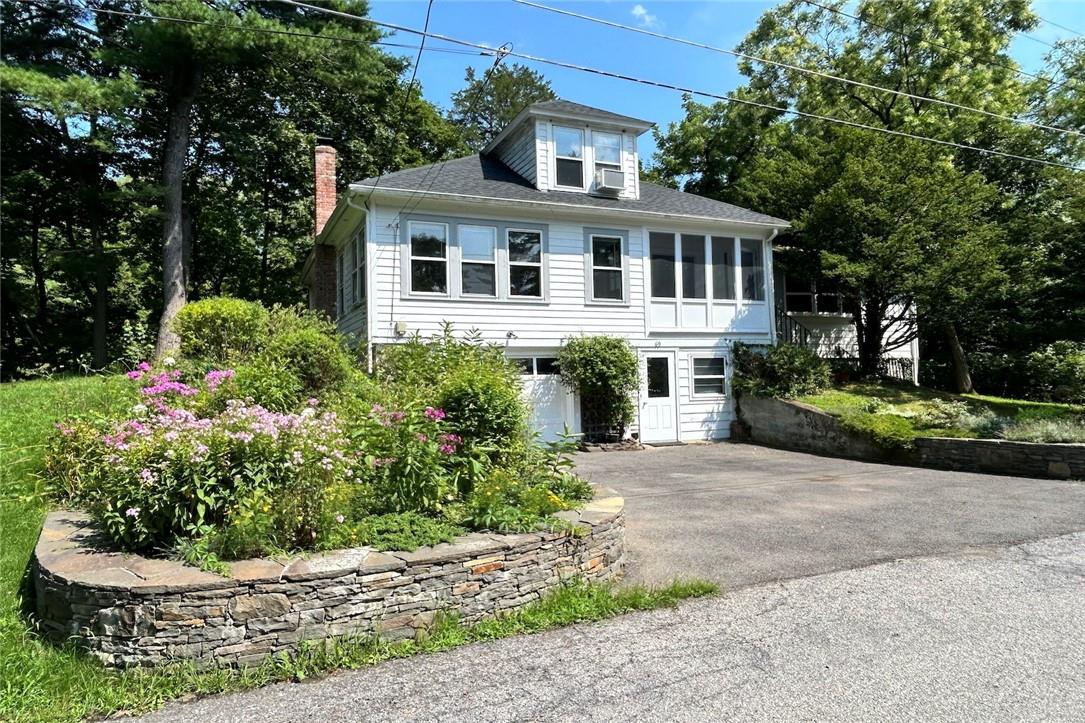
(706, 94)
(933, 44)
(789, 66)
(273, 31)
(1061, 27)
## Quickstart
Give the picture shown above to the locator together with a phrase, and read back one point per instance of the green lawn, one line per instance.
(43, 682)
(895, 414)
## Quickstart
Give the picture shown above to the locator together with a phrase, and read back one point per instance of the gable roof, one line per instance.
(567, 107)
(484, 177)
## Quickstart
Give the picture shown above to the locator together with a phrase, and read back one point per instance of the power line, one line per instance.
(797, 68)
(693, 91)
(273, 31)
(933, 44)
(1061, 27)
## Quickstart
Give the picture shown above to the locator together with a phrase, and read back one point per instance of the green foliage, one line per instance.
(1041, 429)
(1057, 372)
(472, 382)
(220, 330)
(486, 105)
(886, 430)
(785, 371)
(316, 358)
(394, 531)
(603, 371)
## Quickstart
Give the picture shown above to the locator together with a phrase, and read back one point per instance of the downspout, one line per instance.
(369, 291)
(772, 285)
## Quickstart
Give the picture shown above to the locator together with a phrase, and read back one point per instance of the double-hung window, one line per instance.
(569, 157)
(478, 260)
(753, 270)
(608, 151)
(358, 275)
(607, 272)
(709, 376)
(429, 257)
(525, 263)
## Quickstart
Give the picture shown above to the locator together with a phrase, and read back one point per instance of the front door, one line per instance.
(659, 408)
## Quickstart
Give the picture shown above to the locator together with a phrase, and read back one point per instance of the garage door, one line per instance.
(552, 405)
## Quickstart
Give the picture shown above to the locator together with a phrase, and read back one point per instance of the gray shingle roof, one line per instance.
(567, 107)
(488, 177)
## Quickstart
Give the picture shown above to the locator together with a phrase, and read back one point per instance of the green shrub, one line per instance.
(472, 382)
(1071, 430)
(603, 370)
(785, 371)
(221, 329)
(1057, 371)
(269, 384)
(318, 360)
(396, 531)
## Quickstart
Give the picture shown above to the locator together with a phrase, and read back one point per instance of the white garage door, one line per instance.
(552, 405)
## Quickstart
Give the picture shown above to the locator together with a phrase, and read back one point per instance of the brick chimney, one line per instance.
(322, 287)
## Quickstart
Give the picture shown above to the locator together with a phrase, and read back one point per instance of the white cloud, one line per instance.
(645, 18)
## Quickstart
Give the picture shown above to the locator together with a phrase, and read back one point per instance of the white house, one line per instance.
(548, 234)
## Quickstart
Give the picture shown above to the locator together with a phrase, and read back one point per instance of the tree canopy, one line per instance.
(486, 105)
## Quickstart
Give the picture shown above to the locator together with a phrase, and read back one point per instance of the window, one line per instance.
(429, 257)
(659, 382)
(723, 267)
(525, 263)
(358, 279)
(709, 375)
(693, 267)
(537, 365)
(661, 248)
(799, 295)
(608, 150)
(753, 270)
(606, 268)
(478, 260)
(569, 157)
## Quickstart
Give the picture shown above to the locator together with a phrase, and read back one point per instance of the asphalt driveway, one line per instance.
(742, 514)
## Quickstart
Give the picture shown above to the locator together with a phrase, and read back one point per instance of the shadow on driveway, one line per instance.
(742, 514)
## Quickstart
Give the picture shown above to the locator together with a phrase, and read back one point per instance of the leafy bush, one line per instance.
(1057, 371)
(1071, 430)
(474, 383)
(603, 370)
(397, 531)
(221, 329)
(317, 359)
(785, 371)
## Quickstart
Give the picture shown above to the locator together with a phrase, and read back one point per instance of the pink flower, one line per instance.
(435, 414)
(215, 377)
(447, 449)
(134, 374)
(143, 366)
(147, 476)
(313, 401)
(65, 429)
(422, 438)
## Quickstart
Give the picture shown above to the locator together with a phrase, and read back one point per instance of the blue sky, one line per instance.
(717, 22)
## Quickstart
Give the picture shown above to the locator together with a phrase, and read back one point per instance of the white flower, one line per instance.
(139, 409)
(169, 361)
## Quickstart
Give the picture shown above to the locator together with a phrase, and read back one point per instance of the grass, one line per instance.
(895, 414)
(43, 682)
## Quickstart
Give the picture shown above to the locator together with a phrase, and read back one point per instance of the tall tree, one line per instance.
(481, 109)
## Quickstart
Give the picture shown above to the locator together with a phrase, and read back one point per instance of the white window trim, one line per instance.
(493, 262)
(446, 259)
(585, 183)
(590, 234)
(596, 163)
(740, 292)
(693, 376)
(540, 264)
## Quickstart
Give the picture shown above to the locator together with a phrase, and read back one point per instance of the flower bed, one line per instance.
(132, 610)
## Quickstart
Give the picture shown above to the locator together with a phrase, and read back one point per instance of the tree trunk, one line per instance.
(39, 275)
(268, 228)
(868, 332)
(962, 375)
(185, 83)
(101, 301)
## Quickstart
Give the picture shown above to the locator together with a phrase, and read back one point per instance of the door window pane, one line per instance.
(524, 363)
(723, 267)
(693, 267)
(546, 365)
(662, 251)
(753, 273)
(659, 383)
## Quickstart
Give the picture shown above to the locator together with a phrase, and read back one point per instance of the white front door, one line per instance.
(659, 399)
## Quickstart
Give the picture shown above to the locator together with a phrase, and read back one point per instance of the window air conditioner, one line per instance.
(609, 182)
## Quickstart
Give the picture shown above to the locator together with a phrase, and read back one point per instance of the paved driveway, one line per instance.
(742, 514)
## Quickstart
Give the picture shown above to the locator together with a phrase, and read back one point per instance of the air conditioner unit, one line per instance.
(609, 182)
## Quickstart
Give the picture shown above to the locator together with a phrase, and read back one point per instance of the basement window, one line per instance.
(709, 376)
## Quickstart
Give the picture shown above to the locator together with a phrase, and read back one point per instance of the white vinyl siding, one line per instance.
(519, 153)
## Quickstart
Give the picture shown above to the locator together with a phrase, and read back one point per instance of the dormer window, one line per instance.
(569, 157)
(608, 151)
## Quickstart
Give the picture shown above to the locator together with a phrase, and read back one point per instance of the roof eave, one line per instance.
(602, 210)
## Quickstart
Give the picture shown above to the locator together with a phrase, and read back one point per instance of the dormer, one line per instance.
(557, 145)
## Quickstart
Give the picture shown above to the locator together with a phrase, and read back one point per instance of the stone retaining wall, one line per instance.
(798, 426)
(1001, 456)
(131, 610)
